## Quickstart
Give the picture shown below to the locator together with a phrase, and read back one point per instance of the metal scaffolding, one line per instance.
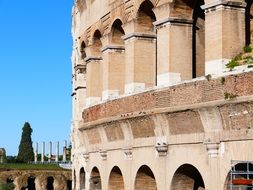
(241, 175)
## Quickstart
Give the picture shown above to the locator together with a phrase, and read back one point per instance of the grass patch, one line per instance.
(30, 166)
(247, 49)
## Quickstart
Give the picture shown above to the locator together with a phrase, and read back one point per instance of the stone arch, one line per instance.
(95, 179)
(182, 8)
(82, 50)
(117, 32)
(145, 179)
(50, 183)
(96, 43)
(187, 177)
(249, 22)
(242, 167)
(145, 16)
(31, 183)
(82, 178)
(116, 181)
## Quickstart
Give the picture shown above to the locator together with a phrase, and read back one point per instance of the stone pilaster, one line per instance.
(174, 50)
(224, 33)
(94, 78)
(80, 89)
(140, 58)
(113, 68)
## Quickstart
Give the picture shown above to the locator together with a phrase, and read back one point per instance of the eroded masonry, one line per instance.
(154, 104)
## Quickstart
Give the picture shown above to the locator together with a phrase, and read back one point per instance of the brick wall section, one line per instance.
(93, 136)
(237, 116)
(113, 131)
(142, 127)
(180, 95)
(185, 123)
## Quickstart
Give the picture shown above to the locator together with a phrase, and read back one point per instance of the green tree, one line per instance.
(25, 152)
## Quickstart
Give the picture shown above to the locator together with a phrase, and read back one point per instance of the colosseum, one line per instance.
(156, 105)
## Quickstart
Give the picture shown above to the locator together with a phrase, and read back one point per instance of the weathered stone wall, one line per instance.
(196, 92)
(20, 178)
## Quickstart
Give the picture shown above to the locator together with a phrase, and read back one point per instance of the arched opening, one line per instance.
(69, 185)
(31, 183)
(187, 177)
(10, 183)
(240, 177)
(116, 181)
(82, 178)
(146, 16)
(145, 179)
(50, 183)
(82, 50)
(95, 180)
(97, 44)
(198, 41)
(117, 32)
(249, 22)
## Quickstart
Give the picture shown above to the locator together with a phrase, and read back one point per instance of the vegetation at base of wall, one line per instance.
(229, 96)
(20, 166)
(222, 80)
(25, 153)
(247, 49)
(6, 186)
(232, 63)
(208, 77)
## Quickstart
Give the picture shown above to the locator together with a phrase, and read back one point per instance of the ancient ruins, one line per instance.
(37, 179)
(2, 155)
(154, 104)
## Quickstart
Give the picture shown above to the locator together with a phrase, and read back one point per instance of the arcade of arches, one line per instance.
(182, 39)
(39, 179)
(153, 107)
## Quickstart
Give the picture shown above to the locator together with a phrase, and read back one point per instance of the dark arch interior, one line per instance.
(82, 50)
(116, 180)
(50, 183)
(146, 17)
(117, 32)
(82, 178)
(198, 40)
(145, 179)
(187, 177)
(9, 180)
(31, 183)
(97, 44)
(69, 185)
(95, 181)
(146, 8)
(248, 18)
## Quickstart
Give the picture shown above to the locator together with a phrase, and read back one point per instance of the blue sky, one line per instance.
(35, 70)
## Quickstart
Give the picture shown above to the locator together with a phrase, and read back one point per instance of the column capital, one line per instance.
(139, 35)
(92, 58)
(172, 21)
(113, 47)
(223, 3)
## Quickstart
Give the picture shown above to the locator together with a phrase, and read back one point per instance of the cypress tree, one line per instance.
(25, 152)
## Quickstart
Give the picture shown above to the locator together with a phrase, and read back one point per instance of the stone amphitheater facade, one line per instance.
(154, 106)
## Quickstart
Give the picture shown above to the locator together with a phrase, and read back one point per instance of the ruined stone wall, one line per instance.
(20, 178)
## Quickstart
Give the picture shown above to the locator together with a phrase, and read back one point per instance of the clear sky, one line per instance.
(35, 70)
